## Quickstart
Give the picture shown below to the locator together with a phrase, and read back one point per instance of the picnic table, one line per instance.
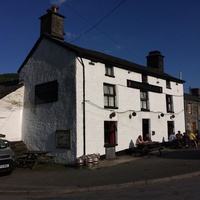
(146, 148)
(32, 158)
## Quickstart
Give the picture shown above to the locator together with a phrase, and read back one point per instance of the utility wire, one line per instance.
(95, 26)
(100, 21)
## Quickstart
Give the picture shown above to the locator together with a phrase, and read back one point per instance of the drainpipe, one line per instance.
(82, 63)
(198, 120)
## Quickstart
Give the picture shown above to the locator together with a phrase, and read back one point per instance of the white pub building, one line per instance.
(79, 101)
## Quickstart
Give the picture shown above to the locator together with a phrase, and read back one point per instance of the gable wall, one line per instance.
(40, 122)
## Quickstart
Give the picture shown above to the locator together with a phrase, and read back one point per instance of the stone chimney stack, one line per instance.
(155, 60)
(52, 23)
(195, 91)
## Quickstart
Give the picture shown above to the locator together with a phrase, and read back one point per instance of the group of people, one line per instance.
(186, 139)
(177, 140)
(140, 139)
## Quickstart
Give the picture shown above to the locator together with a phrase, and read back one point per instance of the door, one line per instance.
(194, 127)
(145, 128)
(170, 127)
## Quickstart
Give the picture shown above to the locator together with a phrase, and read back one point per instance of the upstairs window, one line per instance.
(46, 92)
(168, 84)
(144, 78)
(169, 104)
(144, 100)
(109, 96)
(109, 70)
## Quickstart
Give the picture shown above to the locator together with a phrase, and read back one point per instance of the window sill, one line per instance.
(110, 145)
(111, 107)
(170, 111)
(111, 76)
(146, 110)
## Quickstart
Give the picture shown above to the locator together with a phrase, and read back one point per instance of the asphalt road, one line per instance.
(51, 179)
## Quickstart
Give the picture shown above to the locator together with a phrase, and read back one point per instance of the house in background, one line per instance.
(79, 101)
(192, 110)
(11, 106)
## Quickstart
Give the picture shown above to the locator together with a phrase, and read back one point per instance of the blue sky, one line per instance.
(130, 32)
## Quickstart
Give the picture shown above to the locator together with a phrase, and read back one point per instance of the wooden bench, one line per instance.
(30, 159)
(146, 149)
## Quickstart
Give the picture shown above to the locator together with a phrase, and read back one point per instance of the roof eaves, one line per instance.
(105, 58)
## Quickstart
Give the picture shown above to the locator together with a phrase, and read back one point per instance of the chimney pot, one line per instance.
(54, 8)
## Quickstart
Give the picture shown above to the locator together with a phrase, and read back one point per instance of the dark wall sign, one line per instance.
(63, 139)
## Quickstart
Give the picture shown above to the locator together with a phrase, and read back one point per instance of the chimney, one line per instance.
(195, 91)
(155, 60)
(52, 23)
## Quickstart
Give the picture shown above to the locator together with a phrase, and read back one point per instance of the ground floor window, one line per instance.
(110, 132)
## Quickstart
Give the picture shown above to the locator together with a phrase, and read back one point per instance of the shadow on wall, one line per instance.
(131, 144)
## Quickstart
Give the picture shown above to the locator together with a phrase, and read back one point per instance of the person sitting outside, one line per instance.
(198, 135)
(186, 139)
(193, 139)
(147, 138)
(174, 143)
(140, 140)
(179, 138)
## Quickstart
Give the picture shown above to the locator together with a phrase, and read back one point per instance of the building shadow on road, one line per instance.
(187, 154)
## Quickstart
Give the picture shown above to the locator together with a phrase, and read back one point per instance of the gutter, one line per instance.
(84, 135)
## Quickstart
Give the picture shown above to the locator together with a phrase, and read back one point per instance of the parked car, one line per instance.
(7, 160)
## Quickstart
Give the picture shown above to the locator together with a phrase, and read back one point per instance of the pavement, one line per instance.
(119, 172)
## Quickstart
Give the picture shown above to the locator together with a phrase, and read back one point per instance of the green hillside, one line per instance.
(8, 77)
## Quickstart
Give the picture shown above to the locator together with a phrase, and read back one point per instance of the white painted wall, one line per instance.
(11, 108)
(51, 62)
(40, 122)
(128, 99)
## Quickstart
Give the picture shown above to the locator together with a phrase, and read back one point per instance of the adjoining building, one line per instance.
(79, 101)
(192, 110)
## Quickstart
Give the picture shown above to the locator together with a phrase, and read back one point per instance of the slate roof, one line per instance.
(9, 87)
(191, 97)
(96, 56)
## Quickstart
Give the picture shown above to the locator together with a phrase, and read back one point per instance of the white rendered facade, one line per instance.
(80, 107)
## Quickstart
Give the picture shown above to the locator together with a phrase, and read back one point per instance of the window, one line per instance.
(110, 133)
(169, 103)
(168, 84)
(189, 108)
(46, 92)
(144, 78)
(109, 96)
(144, 99)
(109, 70)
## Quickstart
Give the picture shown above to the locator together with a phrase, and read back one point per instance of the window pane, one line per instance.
(109, 70)
(105, 101)
(111, 101)
(106, 89)
(109, 95)
(111, 90)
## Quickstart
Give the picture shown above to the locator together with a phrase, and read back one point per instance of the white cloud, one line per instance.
(120, 47)
(57, 2)
(70, 36)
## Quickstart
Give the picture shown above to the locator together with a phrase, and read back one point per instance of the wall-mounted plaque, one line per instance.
(63, 139)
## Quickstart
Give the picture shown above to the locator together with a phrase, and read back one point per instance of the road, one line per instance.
(182, 189)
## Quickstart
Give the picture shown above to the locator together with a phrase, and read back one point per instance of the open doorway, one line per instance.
(170, 127)
(146, 129)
